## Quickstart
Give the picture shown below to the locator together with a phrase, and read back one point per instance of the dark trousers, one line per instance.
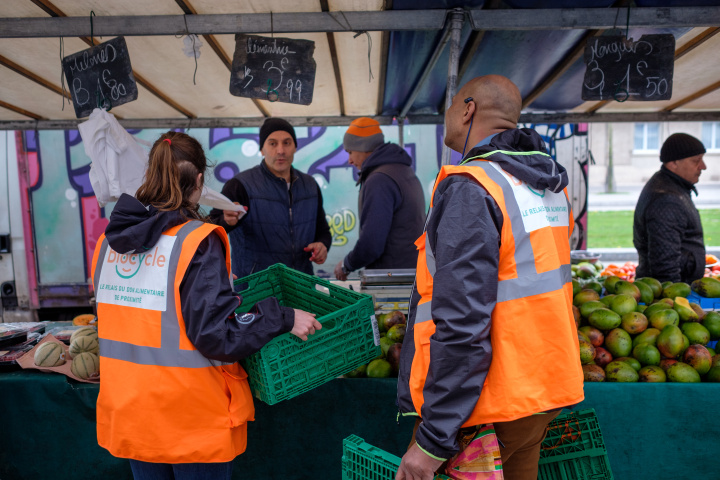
(519, 444)
(181, 471)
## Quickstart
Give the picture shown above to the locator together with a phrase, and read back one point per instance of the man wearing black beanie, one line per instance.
(667, 231)
(285, 221)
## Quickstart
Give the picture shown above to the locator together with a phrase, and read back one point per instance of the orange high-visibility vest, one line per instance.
(535, 354)
(160, 399)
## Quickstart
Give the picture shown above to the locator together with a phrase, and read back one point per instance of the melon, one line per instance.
(83, 332)
(88, 343)
(85, 319)
(85, 365)
(50, 354)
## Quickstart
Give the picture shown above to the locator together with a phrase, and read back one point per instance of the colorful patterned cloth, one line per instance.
(479, 456)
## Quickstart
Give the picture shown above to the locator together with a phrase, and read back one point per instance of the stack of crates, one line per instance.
(286, 366)
(573, 449)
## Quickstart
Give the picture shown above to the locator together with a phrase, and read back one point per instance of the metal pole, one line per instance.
(457, 17)
(401, 131)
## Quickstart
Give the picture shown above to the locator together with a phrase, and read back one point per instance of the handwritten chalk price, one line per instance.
(621, 69)
(274, 69)
(100, 76)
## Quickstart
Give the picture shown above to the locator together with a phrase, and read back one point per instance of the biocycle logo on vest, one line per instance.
(137, 280)
(126, 263)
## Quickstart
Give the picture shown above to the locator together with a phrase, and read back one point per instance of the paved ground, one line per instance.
(626, 197)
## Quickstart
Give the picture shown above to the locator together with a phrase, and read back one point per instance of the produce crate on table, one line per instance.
(574, 449)
(362, 461)
(705, 303)
(287, 366)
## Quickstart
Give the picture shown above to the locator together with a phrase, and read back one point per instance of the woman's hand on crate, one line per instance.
(305, 324)
(319, 252)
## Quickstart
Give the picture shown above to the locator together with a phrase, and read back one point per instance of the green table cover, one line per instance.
(653, 431)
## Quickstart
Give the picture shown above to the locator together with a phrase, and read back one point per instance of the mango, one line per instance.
(646, 293)
(716, 360)
(593, 285)
(662, 318)
(610, 282)
(620, 372)
(654, 285)
(655, 307)
(646, 354)
(576, 315)
(699, 358)
(698, 309)
(607, 299)
(587, 352)
(585, 296)
(707, 287)
(713, 375)
(576, 287)
(602, 357)
(588, 307)
(593, 373)
(682, 373)
(666, 363)
(378, 368)
(649, 336)
(652, 374)
(595, 336)
(604, 319)
(622, 304)
(640, 308)
(711, 350)
(633, 362)
(696, 333)
(634, 323)
(685, 312)
(711, 321)
(666, 284)
(618, 343)
(586, 270)
(679, 289)
(670, 341)
(627, 288)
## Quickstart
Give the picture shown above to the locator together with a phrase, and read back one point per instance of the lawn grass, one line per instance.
(615, 229)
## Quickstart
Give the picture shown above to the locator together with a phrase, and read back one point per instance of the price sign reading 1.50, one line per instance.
(274, 69)
(622, 69)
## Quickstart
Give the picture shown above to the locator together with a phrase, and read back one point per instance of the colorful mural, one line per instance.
(67, 220)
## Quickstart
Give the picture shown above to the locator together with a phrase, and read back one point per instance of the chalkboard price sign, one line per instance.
(622, 69)
(275, 69)
(100, 76)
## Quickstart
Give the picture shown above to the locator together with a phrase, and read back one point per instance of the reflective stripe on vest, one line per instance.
(529, 282)
(169, 354)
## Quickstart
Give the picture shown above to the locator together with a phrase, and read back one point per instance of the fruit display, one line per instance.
(392, 327)
(646, 331)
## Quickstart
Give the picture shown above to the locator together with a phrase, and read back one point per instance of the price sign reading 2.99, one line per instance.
(275, 69)
(621, 69)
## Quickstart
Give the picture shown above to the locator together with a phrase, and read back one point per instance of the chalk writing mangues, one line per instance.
(100, 76)
(622, 69)
(275, 69)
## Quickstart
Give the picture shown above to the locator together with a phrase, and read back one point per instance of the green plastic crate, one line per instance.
(362, 461)
(574, 449)
(286, 366)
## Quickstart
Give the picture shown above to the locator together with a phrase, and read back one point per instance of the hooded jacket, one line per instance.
(391, 206)
(464, 237)
(667, 230)
(207, 300)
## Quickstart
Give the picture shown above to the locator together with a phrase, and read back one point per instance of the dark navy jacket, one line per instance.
(280, 222)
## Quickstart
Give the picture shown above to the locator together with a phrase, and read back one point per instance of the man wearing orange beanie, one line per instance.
(391, 204)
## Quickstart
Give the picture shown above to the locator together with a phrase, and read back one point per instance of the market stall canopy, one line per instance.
(378, 58)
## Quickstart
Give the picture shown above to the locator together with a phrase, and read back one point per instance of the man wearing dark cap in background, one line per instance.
(391, 204)
(667, 231)
(285, 222)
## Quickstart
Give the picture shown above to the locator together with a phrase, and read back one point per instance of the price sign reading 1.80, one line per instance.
(275, 69)
(621, 69)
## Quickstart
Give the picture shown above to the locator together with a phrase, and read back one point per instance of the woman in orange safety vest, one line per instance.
(173, 398)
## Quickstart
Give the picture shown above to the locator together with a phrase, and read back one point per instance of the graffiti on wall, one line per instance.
(67, 220)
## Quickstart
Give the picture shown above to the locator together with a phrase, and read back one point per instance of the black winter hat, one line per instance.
(273, 125)
(679, 146)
